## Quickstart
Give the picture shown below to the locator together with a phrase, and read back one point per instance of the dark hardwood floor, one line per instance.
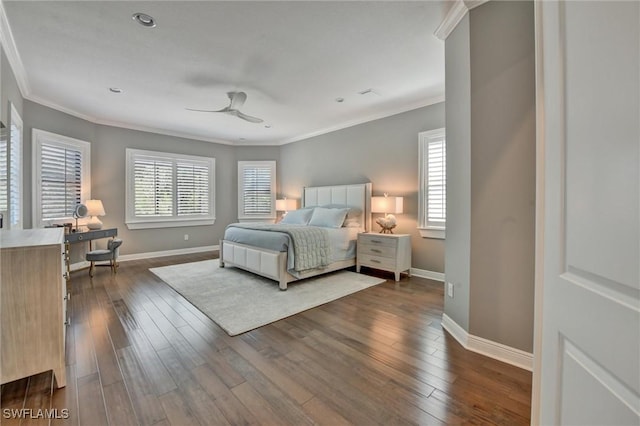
(138, 353)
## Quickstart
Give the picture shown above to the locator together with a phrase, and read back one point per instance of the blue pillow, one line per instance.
(328, 218)
(297, 217)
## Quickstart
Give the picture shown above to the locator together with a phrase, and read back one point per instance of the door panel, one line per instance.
(589, 58)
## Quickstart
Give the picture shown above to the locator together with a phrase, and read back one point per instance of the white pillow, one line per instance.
(297, 217)
(328, 218)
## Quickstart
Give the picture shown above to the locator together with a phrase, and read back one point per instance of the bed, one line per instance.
(276, 251)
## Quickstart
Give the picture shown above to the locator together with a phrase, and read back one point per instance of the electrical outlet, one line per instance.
(450, 290)
(186, 237)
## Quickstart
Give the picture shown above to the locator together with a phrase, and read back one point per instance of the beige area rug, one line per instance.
(239, 301)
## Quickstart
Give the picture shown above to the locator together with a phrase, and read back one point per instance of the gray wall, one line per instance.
(458, 106)
(503, 173)
(108, 164)
(384, 152)
(499, 146)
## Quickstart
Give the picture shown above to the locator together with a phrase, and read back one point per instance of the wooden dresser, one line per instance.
(33, 299)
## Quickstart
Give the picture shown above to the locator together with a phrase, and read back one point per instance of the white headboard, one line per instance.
(357, 195)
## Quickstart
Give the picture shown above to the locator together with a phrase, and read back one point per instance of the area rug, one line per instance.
(239, 301)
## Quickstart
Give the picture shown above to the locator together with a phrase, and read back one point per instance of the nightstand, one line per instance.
(389, 252)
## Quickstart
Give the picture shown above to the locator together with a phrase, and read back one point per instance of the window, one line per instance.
(256, 190)
(62, 167)
(15, 170)
(432, 208)
(4, 173)
(11, 172)
(169, 190)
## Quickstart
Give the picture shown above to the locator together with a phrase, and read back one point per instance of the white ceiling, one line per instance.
(293, 59)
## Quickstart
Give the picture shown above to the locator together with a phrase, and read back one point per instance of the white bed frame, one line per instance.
(273, 264)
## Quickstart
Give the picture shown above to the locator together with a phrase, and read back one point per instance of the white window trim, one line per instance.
(16, 120)
(40, 136)
(427, 230)
(254, 218)
(134, 222)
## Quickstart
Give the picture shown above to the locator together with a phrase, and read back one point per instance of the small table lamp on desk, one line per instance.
(94, 209)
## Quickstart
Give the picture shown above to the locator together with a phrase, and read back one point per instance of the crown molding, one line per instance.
(10, 49)
(455, 15)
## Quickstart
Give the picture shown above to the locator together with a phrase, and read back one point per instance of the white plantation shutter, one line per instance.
(256, 189)
(61, 181)
(432, 208)
(436, 183)
(4, 172)
(15, 174)
(193, 189)
(153, 183)
(166, 189)
(62, 176)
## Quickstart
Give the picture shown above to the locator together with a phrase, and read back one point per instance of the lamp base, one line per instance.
(94, 223)
(386, 223)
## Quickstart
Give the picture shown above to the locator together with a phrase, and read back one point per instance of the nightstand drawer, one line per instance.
(375, 240)
(377, 261)
(377, 250)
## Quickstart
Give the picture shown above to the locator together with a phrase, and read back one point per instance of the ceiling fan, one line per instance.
(236, 99)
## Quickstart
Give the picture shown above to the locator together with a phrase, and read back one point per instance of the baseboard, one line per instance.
(498, 351)
(423, 273)
(79, 265)
(163, 253)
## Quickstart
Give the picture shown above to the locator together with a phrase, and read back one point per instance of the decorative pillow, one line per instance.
(297, 217)
(328, 218)
(351, 223)
(352, 212)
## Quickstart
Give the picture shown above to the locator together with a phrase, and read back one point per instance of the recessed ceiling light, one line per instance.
(339, 100)
(144, 20)
(267, 126)
(115, 90)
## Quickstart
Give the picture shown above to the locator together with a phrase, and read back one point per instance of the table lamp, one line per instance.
(285, 205)
(388, 206)
(94, 209)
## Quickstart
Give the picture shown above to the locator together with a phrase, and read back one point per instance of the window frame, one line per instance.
(38, 138)
(148, 222)
(242, 166)
(427, 228)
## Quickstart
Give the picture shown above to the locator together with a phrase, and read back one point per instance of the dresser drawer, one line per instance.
(377, 261)
(377, 250)
(375, 240)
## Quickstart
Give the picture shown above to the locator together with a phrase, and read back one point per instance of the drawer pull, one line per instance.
(375, 261)
(376, 251)
(376, 241)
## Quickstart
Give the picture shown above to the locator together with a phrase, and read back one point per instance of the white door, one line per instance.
(589, 137)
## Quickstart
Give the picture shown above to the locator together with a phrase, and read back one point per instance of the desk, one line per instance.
(79, 237)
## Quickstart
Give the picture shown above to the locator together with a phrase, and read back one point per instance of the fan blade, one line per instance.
(249, 118)
(237, 99)
(206, 110)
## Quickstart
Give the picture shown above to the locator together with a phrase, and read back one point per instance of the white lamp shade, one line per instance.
(392, 205)
(95, 208)
(286, 204)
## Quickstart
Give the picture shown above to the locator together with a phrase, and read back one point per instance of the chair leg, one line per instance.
(91, 269)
